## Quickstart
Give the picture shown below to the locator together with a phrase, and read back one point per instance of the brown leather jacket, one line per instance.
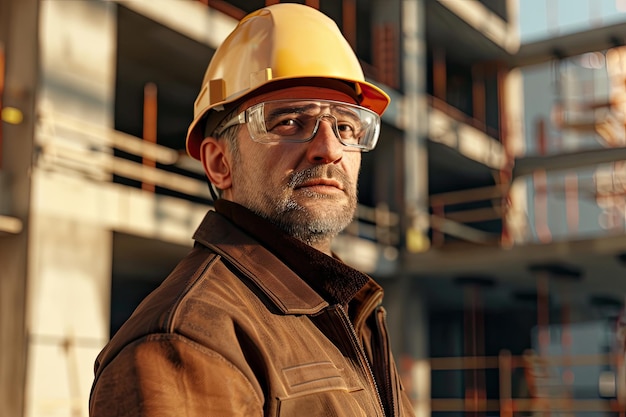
(234, 331)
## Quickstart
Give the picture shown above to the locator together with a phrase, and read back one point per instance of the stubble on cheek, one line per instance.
(309, 224)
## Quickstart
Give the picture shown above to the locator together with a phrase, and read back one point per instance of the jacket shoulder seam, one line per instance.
(169, 323)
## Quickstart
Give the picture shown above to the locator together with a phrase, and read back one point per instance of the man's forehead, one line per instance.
(301, 93)
(309, 108)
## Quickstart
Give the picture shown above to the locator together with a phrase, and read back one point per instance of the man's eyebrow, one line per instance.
(344, 110)
(290, 109)
(299, 109)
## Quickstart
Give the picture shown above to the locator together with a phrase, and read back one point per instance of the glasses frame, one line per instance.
(244, 118)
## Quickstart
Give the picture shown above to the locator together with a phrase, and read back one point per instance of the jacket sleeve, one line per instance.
(168, 375)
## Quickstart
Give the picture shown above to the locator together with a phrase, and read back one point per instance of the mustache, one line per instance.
(297, 178)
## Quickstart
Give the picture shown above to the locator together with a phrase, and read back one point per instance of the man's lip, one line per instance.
(320, 181)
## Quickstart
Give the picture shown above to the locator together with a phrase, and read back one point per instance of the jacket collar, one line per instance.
(296, 277)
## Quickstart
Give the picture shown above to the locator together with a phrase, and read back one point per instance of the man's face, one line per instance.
(308, 189)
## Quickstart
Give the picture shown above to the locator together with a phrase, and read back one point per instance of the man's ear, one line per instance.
(215, 162)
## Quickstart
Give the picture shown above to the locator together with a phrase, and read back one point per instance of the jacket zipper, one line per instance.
(362, 356)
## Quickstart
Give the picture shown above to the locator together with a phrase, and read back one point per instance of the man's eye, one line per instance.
(288, 122)
(347, 130)
(345, 127)
(285, 126)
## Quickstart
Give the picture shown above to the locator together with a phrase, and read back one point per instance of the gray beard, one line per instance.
(298, 221)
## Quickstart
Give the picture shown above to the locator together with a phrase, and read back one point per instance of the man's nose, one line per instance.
(325, 147)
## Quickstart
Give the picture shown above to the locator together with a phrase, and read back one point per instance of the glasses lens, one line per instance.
(298, 121)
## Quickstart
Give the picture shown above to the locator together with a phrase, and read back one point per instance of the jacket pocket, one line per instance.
(314, 377)
(319, 389)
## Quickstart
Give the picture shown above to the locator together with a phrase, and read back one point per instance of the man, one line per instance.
(260, 319)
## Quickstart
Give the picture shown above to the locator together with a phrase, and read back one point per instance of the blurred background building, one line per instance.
(493, 210)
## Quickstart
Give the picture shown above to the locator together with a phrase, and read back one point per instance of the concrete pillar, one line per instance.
(415, 106)
(70, 254)
(68, 310)
(407, 312)
(18, 33)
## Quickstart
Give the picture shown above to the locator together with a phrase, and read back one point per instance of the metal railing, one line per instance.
(447, 219)
(548, 392)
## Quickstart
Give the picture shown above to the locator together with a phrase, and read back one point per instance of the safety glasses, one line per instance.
(298, 121)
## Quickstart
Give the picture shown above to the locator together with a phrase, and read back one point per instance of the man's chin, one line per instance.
(328, 209)
(314, 229)
(327, 214)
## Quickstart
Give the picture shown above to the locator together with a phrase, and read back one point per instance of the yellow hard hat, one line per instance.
(279, 46)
